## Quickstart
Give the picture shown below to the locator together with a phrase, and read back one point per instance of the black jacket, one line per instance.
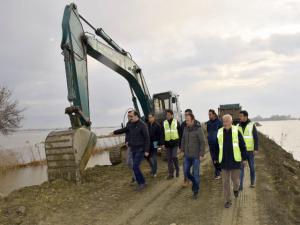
(228, 162)
(254, 133)
(155, 133)
(123, 130)
(137, 135)
(172, 143)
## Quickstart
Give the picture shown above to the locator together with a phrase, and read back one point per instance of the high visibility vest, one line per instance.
(235, 143)
(248, 136)
(171, 133)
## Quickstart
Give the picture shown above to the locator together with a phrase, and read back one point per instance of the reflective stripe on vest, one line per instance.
(235, 144)
(248, 136)
(171, 133)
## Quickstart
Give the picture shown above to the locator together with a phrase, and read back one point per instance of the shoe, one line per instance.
(140, 187)
(217, 177)
(154, 175)
(169, 177)
(177, 173)
(132, 183)
(236, 194)
(185, 184)
(195, 194)
(252, 185)
(227, 205)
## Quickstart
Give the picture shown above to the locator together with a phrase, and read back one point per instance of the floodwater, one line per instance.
(34, 175)
(284, 133)
(26, 146)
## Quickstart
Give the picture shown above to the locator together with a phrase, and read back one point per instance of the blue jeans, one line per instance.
(138, 157)
(251, 163)
(153, 161)
(194, 177)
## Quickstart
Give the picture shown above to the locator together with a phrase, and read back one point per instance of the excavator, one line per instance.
(68, 151)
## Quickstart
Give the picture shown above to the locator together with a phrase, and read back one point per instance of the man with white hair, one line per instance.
(231, 151)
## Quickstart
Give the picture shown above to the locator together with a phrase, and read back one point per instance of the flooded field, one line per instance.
(284, 133)
(27, 146)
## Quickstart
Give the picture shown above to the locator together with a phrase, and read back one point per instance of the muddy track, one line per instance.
(105, 198)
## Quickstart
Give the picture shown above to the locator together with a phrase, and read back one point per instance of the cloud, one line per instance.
(210, 52)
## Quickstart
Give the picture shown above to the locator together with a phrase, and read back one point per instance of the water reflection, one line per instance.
(34, 175)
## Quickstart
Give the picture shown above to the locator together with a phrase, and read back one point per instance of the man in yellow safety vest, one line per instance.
(171, 142)
(249, 132)
(231, 151)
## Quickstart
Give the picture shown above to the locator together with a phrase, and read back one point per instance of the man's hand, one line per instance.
(255, 152)
(146, 154)
(244, 163)
(215, 161)
(201, 158)
(126, 143)
(163, 146)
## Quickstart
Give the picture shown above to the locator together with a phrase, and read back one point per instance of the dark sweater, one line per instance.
(254, 133)
(228, 162)
(172, 143)
(155, 132)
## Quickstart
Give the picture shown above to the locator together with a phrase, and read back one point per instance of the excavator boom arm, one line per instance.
(76, 45)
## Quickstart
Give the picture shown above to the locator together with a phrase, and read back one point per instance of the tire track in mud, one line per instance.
(244, 208)
(167, 202)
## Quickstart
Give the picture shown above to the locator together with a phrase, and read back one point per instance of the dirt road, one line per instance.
(105, 197)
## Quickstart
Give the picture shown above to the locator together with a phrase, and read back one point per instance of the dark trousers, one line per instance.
(172, 160)
(194, 177)
(214, 157)
(138, 156)
(152, 159)
(251, 163)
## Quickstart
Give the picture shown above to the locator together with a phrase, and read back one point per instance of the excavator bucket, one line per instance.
(67, 153)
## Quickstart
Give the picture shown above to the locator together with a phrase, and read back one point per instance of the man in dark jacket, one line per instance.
(138, 142)
(171, 142)
(125, 130)
(183, 125)
(213, 125)
(155, 134)
(193, 146)
(231, 151)
(249, 132)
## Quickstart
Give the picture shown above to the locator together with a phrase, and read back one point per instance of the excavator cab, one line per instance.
(164, 101)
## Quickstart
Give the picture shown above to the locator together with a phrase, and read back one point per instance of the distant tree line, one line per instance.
(274, 118)
(10, 113)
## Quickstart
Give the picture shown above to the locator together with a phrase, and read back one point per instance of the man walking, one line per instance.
(249, 132)
(125, 130)
(231, 150)
(213, 125)
(139, 142)
(171, 139)
(155, 134)
(183, 125)
(193, 146)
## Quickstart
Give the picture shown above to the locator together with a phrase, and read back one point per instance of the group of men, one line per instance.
(231, 147)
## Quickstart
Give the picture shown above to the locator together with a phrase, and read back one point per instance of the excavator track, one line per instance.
(67, 153)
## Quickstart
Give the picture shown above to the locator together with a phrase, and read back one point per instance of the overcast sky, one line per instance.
(211, 52)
